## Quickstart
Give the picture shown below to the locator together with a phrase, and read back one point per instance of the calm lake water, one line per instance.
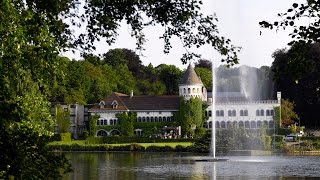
(126, 165)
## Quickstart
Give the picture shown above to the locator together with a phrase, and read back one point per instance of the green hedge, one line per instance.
(278, 138)
(131, 147)
(311, 138)
(66, 137)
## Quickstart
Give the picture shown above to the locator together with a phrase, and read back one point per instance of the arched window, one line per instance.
(102, 132)
(241, 112)
(253, 124)
(217, 113)
(206, 113)
(184, 90)
(223, 124)
(160, 119)
(265, 123)
(168, 118)
(210, 113)
(210, 124)
(152, 119)
(235, 124)
(111, 121)
(270, 124)
(105, 122)
(271, 112)
(261, 112)
(241, 124)
(189, 91)
(229, 113)
(259, 124)
(268, 112)
(194, 90)
(245, 112)
(139, 119)
(221, 113)
(257, 112)
(217, 124)
(98, 122)
(234, 113)
(229, 124)
(156, 119)
(164, 119)
(148, 119)
(143, 119)
(247, 124)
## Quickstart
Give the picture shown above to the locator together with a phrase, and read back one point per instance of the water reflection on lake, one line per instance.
(125, 165)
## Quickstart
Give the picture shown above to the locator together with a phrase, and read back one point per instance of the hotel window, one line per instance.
(261, 112)
(245, 112)
(221, 113)
(189, 91)
(271, 112)
(234, 113)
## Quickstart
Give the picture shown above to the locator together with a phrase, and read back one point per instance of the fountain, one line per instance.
(212, 157)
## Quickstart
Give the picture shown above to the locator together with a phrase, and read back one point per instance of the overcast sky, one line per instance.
(238, 20)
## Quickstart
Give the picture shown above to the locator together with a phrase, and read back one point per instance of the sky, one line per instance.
(238, 21)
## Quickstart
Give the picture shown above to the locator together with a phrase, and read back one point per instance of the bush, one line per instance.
(93, 140)
(65, 137)
(311, 138)
(278, 138)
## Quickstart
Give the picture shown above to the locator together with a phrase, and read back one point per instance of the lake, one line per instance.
(129, 165)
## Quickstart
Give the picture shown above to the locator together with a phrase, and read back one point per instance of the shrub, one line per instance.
(65, 137)
(277, 138)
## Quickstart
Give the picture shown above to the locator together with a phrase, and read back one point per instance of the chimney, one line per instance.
(131, 93)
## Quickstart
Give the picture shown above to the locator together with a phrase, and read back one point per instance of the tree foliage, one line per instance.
(126, 121)
(62, 118)
(190, 116)
(296, 73)
(306, 33)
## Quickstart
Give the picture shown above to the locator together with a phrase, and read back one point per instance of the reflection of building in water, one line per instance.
(232, 108)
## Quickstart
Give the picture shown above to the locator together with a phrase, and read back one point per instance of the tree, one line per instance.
(205, 76)
(190, 116)
(62, 118)
(126, 121)
(170, 75)
(303, 33)
(296, 73)
(287, 112)
(28, 55)
(203, 63)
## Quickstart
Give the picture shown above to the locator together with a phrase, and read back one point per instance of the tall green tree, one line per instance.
(126, 121)
(170, 75)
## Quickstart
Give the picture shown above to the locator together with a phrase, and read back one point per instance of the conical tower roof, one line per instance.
(190, 77)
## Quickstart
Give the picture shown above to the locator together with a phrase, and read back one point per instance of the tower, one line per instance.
(192, 86)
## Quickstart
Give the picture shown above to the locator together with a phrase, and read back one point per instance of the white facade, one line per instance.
(197, 90)
(243, 114)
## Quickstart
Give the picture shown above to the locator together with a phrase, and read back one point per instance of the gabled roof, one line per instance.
(190, 77)
(136, 103)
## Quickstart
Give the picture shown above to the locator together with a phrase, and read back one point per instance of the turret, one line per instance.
(192, 86)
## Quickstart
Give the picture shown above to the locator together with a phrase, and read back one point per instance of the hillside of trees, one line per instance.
(89, 80)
